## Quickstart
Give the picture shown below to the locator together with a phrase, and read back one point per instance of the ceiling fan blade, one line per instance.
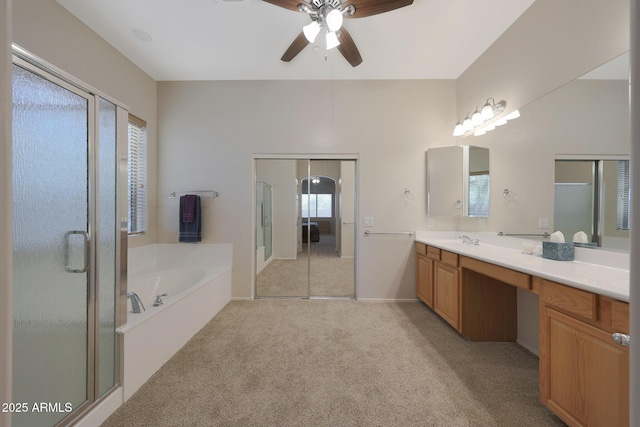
(295, 48)
(288, 4)
(374, 7)
(348, 49)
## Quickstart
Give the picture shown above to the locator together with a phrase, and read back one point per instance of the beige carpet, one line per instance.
(331, 276)
(338, 363)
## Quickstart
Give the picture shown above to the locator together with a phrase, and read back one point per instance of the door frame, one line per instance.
(332, 156)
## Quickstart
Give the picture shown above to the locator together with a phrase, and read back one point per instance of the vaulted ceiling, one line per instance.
(244, 39)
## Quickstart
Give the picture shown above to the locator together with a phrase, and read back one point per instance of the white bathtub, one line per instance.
(197, 281)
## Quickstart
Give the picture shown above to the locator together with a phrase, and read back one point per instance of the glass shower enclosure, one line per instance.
(65, 245)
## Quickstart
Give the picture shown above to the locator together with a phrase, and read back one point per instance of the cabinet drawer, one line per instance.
(575, 301)
(449, 258)
(421, 248)
(505, 275)
(433, 253)
(614, 314)
(620, 316)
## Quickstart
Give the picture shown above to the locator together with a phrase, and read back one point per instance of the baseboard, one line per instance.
(102, 410)
(388, 299)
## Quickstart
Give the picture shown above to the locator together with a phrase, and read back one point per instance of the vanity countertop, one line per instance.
(602, 277)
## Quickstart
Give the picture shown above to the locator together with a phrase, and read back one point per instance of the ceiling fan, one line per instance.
(327, 15)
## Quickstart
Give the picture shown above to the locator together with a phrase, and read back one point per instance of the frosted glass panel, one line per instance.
(50, 198)
(106, 247)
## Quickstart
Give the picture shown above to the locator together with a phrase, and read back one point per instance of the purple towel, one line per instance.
(188, 208)
(190, 231)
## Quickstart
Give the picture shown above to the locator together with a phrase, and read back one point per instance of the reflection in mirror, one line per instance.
(478, 181)
(458, 181)
(312, 227)
(585, 119)
(592, 196)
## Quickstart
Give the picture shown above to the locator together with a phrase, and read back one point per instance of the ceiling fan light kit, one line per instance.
(329, 15)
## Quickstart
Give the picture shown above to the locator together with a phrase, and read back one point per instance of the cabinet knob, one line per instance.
(622, 339)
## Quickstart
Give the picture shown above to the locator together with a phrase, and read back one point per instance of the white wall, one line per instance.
(49, 31)
(208, 132)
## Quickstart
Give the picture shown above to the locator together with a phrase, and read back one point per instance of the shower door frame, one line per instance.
(308, 158)
(48, 71)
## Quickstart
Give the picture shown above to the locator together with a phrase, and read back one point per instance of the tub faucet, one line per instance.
(136, 302)
(158, 300)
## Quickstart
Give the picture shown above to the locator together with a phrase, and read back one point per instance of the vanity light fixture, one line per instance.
(477, 123)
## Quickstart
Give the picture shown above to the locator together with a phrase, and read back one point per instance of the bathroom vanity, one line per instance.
(584, 318)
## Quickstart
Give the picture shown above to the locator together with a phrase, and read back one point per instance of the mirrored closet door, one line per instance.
(305, 228)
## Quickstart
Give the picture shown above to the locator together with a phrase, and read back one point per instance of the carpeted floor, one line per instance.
(338, 363)
(330, 275)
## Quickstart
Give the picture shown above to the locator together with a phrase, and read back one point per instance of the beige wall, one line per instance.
(551, 44)
(209, 131)
(47, 30)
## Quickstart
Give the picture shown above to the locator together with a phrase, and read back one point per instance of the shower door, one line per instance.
(57, 328)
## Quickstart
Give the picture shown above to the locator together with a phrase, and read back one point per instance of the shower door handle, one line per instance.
(85, 241)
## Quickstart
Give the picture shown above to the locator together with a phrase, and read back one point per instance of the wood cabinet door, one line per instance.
(424, 279)
(584, 375)
(446, 293)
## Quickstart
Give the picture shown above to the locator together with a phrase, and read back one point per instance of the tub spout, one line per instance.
(136, 302)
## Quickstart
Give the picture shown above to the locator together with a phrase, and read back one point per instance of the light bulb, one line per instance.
(476, 119)
(487, 111)
(466, 124)
(334, 20)
(458, 130)
(311, 31)
(332, 40)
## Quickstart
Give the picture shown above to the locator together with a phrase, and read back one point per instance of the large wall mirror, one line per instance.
(305, 228)
(559, 148)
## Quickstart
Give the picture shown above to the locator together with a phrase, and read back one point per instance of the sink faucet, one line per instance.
(136, 302)
(466, 239)
(469, 241)
(158, 300)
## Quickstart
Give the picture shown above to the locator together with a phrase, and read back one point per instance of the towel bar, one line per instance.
(367, 233)
(209, 194)
(545, 234)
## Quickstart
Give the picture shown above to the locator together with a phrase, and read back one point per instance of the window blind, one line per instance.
(624, 195)
(137, 175)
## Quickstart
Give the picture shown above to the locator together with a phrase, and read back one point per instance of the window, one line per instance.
(624, 195)
(137, 174)
(317, 205)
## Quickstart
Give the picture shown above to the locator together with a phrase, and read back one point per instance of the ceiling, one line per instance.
(244, 39)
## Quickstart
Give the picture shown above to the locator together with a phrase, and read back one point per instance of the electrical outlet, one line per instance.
(368, 221)
(429, 222)
(543, 223)
(482, 223)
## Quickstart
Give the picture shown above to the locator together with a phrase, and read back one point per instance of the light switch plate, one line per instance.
(543, 223)
(368, 221)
